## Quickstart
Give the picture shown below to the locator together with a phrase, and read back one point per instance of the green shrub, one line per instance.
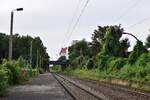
(21, 63)
(127, 72)
(116, 63)
(90, 64)
(56, 68)
(35, 72)
(137, 73)
(74, 63)
(101, 60)
(137, 51)
(3, 80)
(13, 73)
(143, 59)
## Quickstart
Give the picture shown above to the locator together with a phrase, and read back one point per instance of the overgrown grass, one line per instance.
(56, 68)
(84, 73)
(97, 75)
(118, 68)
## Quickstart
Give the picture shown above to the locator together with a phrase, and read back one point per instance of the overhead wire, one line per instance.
(139, 22)
(71, 22)
(78, 19)
(127, 10)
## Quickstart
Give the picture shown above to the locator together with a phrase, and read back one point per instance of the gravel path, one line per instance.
(44, 87)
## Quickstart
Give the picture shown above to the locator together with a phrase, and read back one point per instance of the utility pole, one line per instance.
(31, 54)
(40, 60)
(37, 59)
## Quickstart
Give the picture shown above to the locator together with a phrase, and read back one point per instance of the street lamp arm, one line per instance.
(18, 9)
(131, 35)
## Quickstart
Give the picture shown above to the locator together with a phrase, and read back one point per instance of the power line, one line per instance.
(127, 11)
(71, 22)
(78, 19)
(139, 22)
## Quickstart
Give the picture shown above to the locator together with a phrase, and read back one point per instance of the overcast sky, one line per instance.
(50, 19)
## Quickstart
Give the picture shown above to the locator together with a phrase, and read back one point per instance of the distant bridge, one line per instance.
(58, 63)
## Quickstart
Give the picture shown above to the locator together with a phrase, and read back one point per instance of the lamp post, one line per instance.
(11, 32)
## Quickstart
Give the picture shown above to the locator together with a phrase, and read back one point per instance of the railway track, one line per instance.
(101, 91)
(117, 92)
(76, 91)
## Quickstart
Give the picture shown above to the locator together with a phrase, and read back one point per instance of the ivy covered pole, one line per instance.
(37, 59)
(31, 55)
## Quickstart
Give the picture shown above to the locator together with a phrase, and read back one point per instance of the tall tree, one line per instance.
(21, 47)
(137, 51)
(112, 44)
(4, 43)
(79, 52)
(148, 42)
(124, 45)
(98, 38)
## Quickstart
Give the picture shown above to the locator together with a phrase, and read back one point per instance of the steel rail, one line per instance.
(90, 93)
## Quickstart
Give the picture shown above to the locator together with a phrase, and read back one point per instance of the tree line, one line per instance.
(21, 48)
(108, 53)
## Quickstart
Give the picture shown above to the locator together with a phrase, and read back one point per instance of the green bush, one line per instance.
(41, 71)
(3, 80)
(35, 72)
(143, 59)
(137, 51)
(21, 63)
(13, 73)
(56, 68)
(90, 64)
(137, 73)
(101, 60)
(116, 63)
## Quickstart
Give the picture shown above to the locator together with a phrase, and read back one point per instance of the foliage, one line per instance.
(56, 68)
(22, 48)
(101, 60)
(110, 56)
(90, 64)
(98, 38)
(124, 45)
(78, 53)
(3, 80)
(115, 64)
(14, 71)
(112, 44)
(79, 48)
(63, 60)
(21, 62)
(41, 71)
(137, 73)
(143, 60)
(148, 41)
(34, 72)
(137, 51)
